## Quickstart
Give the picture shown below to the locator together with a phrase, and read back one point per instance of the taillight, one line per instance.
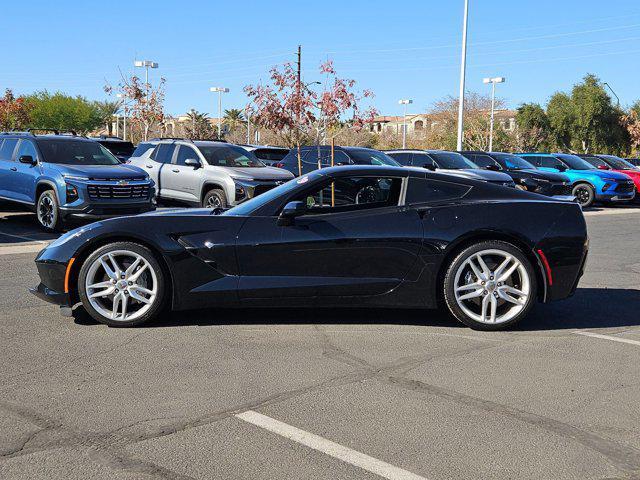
(279, 165)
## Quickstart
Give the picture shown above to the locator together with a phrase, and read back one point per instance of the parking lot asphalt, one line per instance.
(348, 394)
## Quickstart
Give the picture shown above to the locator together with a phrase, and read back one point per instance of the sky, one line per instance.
(408, 49)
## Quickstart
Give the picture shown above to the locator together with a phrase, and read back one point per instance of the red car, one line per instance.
(617, 164)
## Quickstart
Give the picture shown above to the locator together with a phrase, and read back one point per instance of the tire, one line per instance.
(48, 212)
(214, 199)
(585, 194)
(483, 285)
(140, 291)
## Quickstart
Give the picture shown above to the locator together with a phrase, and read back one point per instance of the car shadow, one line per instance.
(19, 225)
(588, 308)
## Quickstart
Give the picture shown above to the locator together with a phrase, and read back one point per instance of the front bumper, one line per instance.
(97, 211)
(52, 296)
(109, 198)
(617, 197)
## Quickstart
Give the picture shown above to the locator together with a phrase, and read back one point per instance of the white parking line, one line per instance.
(21, 237)
(608, 337)
(622, 211)
(328, 447)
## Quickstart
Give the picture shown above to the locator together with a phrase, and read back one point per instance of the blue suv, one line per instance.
(588, 183)
(67, 176)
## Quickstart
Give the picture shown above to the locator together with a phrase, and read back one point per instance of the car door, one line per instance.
(158, 161)
(24, 176)
(355, 240)
(7, 147)
(180, 181)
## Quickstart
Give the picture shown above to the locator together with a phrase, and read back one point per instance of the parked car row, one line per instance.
(63, 176)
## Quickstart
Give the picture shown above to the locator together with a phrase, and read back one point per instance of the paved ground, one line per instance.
(326, 394)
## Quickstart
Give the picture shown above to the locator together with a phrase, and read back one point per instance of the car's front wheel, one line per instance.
(215, 199)
(490, 285)
(48, 211)
(585, 194)
(122, 284)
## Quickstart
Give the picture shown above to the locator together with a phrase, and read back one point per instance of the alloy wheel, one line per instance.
(214, 202)
(492, 286)
(46, 211)
(582, 194)
(121, 285)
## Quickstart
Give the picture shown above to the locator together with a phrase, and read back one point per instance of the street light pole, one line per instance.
(404, 102)
(463, 68)
(124, 117)
(493, 82)
(614, 93)
(220, 91)
(146, 64)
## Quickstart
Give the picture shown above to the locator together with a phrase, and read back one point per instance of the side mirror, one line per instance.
(604, 167)
(290, 212)
(430, 166)
(493, 168)
(562, 168)
(192, 162)
(28, 159)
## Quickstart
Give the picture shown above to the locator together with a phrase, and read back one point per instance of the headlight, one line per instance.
(610, 180)
(72, 193)
(75, 177)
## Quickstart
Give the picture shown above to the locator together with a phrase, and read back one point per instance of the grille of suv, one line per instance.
(625, 187)
(118, 191)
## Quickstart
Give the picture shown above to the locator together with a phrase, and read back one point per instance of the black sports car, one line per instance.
(524, 174)
(343, 236)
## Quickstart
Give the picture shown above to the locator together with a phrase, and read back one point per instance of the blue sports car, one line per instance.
(589, 184)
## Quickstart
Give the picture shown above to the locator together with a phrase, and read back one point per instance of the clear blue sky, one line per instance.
(406, 49)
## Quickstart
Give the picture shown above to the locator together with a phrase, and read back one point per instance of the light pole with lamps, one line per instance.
(404, 102)
(146, 64)
(493, 82)
(220, 91)
(463, 68)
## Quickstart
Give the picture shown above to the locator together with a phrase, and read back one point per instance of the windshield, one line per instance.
(574, 162)
(618, 163)
(270, 154)
(371, 157)
(71, 152)
(254, 203)
(453, 161)
(513, 162)
(142, 149)
(229, 156)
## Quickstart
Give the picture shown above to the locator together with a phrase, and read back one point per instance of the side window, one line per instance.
(421, 190)
(483, 161)
(163, 153)
(142, 149)
(403, 158)
(8, 146)
(26, 147)
(532, 159)
(352, 193)
(421, 160)
(550, 162)
(185, 152)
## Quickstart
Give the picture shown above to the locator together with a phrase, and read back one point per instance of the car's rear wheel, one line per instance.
(122, 284)
(490, 285)
(48, 211)
(215, 199)
(585, 194)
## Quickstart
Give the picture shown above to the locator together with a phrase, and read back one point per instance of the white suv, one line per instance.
(208, 174)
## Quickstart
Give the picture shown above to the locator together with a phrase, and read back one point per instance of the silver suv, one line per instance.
(208, 174)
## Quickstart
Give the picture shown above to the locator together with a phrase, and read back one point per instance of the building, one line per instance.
(425, 122)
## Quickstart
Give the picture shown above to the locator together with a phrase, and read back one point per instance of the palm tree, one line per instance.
(198, 126)
(232, 118)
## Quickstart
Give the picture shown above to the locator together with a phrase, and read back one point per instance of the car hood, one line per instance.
(259, 173)
(599, 174)
(103, 171)
(477, 174)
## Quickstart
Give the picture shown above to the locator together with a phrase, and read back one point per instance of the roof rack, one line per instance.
(156, 139)
(54, 130)
(107, 137)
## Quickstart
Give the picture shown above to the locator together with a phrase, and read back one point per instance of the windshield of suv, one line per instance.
(371, 157)
(229, 156)
(513, 162)
(72, 152)
(618, 163)
(574, 162)
(452, 160)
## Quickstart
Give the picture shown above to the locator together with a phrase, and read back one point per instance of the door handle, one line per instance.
(14, 169)
(149, 166)
(175, 171)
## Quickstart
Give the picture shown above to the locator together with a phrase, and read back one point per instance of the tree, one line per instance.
(106, 110)
(587, 120)
(299, 114)
(533, 128)
(62, 112)
(147, 104)
(233, 118)
(631, 122)
(14, 112)
(198, 126)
